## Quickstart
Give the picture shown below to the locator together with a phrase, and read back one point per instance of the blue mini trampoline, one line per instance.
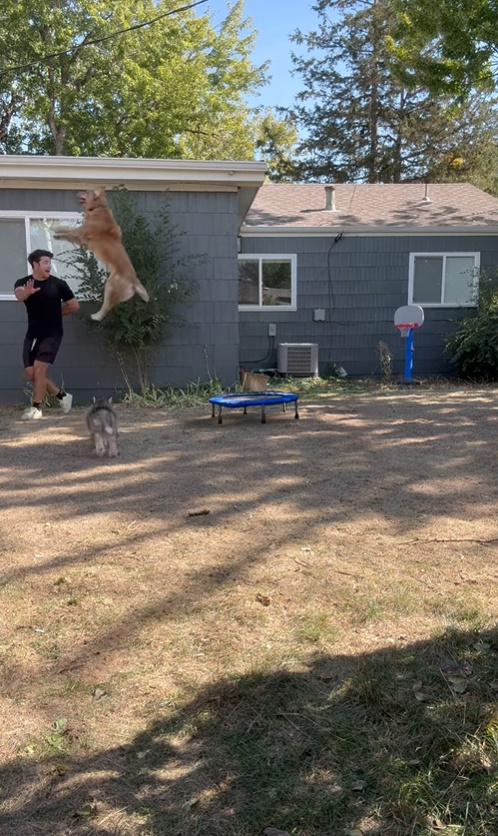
(241, 400)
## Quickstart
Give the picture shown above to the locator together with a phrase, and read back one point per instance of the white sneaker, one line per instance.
(32, 413)
(66, 403)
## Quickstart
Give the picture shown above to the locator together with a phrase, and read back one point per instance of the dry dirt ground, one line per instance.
(369, 522)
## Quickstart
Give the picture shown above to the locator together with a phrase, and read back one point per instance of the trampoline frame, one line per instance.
(241, 400)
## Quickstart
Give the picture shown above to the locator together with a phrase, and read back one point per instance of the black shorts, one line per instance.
(43, 349)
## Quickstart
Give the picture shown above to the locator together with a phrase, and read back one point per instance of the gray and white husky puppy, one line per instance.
(102, 423)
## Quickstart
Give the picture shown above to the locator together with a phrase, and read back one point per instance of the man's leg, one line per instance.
(38, 356)
(28, 355)
(46, 353)
(52, 388)
(40, 382)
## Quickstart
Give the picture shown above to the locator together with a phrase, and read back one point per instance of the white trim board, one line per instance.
(28, 168)
(82, 185)
(366, 232)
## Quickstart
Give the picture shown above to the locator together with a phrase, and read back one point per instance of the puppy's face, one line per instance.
(92, 199)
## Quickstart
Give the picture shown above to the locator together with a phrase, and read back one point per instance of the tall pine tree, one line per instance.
(358, 121)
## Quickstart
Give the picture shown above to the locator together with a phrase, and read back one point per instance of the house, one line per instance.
(329, 265)
(208, 202)
(284, 263)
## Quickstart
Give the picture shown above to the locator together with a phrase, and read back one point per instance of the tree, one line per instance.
(472, 154)
(275, 138)
(359, 121)
(448, 46)
(173, 89)
(132, 328)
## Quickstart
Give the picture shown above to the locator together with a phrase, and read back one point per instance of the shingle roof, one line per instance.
(394, 206)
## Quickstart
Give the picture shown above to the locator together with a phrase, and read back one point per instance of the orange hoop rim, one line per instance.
(407, 325)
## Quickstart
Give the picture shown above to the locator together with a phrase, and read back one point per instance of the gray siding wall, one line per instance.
(365, 281)
(208, 345)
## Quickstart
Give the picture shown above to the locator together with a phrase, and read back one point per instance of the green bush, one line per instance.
(474, 346)
(132, 328)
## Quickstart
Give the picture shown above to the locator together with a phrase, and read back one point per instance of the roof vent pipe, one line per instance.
(330, 198)
(426, 198)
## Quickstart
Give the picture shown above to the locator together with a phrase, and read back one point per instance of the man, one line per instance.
(47, 300)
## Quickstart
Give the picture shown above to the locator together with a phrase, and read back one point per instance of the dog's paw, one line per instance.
(96, 316)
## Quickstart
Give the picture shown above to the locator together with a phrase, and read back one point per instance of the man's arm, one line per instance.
(71, 306)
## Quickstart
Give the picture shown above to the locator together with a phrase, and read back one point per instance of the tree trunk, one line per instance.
(373, 116)
(58, 134)
(398, 144)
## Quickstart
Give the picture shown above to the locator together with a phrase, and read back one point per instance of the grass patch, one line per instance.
(195, 394)
(310, 655)
(362, 755)
(316, 628)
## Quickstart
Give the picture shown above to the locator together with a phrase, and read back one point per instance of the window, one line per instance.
(438, 279)
(21, 233)
(267, 282)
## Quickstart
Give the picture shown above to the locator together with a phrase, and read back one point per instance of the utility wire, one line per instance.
(100, 40)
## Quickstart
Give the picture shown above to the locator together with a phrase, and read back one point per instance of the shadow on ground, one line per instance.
(379, 743)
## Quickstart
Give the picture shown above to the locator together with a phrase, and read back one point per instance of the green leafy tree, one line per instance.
(176, 88)
(449, 46)
(359, 122)
(132, 328)
(276, 140)
(474, 345)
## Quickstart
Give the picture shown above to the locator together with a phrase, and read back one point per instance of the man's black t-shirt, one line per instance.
(44, 306)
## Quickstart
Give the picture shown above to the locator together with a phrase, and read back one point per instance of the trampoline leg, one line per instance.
(296, 415)
(219, 415)
(263, 416)
(245, 410)
(284, 407)
(212, 412)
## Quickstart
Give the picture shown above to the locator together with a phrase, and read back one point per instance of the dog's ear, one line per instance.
(109, 400)
(94, 399)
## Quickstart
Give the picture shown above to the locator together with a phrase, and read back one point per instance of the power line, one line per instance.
(100, 40)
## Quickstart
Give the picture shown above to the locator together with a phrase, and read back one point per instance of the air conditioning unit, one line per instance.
(298, 359)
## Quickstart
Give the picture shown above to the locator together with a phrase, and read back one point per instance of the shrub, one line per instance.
(474, 346)
(132, 328)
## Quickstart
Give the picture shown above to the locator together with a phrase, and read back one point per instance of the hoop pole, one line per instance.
(409, 355)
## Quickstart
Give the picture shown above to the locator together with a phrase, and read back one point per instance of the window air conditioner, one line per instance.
(298, 359)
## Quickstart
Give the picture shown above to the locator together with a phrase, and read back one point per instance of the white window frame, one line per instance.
(11, 214)
(444, 255)
(260, 257)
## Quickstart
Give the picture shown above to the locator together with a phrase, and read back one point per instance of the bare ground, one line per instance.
(370, 522)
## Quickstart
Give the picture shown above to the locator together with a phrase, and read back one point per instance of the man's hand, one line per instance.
(30, 288)
(23, 293)
(72, 306)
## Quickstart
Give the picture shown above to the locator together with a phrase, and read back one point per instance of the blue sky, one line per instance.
(275, 21)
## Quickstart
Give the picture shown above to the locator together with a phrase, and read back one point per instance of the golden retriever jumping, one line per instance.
(100, 234)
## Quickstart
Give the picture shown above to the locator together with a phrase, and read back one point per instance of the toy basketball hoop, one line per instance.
(406, 319)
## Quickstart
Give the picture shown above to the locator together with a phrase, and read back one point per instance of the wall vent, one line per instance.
(298, 359)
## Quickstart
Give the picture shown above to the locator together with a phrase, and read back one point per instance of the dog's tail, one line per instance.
(140, 289)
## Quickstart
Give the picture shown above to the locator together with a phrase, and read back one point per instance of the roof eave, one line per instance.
(249, 230)
(102, 169)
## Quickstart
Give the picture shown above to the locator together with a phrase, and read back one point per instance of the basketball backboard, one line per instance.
(409, 316)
